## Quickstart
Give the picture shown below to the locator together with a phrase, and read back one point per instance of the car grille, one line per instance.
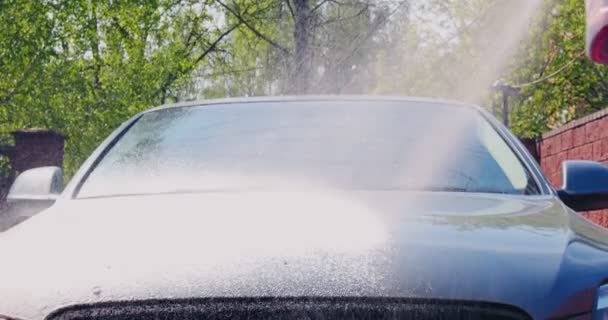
(301, 309)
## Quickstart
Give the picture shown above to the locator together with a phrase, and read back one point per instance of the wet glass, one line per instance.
(353, 145)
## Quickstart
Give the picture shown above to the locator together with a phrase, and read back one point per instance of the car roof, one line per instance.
(310, 98)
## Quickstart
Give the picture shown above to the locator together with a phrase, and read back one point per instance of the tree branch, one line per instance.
(319, 5)
(95, 47)
(293, 15)
(120, 28)
(214, 44)
(330, 21)
(252, 28)
(173, 76)
(376, 26)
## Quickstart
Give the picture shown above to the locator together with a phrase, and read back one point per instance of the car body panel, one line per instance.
(527, 251)
(531, 252)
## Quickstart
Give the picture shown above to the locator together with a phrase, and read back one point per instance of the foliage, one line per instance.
(84, 66)
(556, 46)
(265, 59)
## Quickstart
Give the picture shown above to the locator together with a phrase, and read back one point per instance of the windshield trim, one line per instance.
(311, 98)
(520, 152)
(73, 188)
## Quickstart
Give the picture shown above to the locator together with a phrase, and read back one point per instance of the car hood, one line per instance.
(529, 252)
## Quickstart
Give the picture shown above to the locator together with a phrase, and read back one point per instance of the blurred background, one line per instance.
(82, 67)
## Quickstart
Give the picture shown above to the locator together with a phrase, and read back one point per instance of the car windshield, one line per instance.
(353, 145)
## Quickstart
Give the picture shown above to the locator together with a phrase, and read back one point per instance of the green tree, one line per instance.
(561, 83)
(299, 46)
(84, 66)
(452, 48)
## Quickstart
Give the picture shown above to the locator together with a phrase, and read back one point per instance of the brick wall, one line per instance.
(33, 148)
(583, 139)
(37, 148)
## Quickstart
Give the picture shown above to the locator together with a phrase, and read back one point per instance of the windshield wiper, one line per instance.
(440, 188)
(421, 188)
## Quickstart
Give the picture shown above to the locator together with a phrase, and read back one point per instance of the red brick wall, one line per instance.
(583, 139)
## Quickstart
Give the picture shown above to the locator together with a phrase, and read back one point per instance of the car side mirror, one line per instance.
(33, 191)
(39, 184)
(585, 185)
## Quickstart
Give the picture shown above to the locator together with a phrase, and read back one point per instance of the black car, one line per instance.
(309, 208)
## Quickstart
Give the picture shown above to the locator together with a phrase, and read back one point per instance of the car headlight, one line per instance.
(601, 304)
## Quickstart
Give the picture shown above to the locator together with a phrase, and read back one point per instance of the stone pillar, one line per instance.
(37, 148)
